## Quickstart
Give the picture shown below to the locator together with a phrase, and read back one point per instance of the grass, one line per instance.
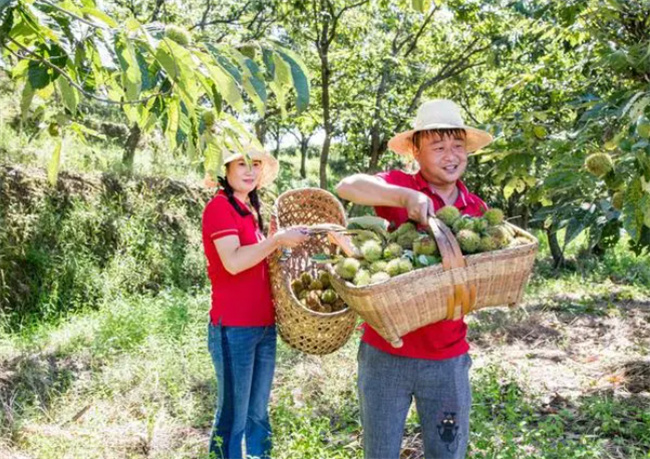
(134, 379)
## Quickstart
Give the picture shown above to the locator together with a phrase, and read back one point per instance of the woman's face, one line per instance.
(242, 176)
(442, 160)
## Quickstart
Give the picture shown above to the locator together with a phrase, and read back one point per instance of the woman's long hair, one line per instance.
(253, 196)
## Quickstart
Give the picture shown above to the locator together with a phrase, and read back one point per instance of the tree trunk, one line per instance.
(304, 148)
(261, 127)
(327, 123)
(130, 146)
(375, 133)
(556, 250)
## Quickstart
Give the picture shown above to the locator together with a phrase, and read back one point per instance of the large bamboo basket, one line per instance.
(457, 286)
(305, 330)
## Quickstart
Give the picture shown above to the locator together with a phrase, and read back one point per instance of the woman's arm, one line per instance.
(372, 191)
(237, 258)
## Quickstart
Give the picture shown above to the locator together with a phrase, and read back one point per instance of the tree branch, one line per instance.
(337, 16)
(78, 18)
(232, 19)
(72, 82)
(414, 42)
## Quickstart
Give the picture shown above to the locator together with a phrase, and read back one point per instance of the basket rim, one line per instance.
(310, 190)
(380, 286)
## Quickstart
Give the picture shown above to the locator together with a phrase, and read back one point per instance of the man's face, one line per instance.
(442, 160)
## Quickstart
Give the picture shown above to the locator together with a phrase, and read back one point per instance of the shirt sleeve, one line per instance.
(219, 219)
(394, 215)
(394, 177)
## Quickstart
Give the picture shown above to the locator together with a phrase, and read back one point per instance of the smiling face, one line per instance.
(442, 155)
(243, 177)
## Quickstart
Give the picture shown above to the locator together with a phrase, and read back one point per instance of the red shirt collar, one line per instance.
(463, 192)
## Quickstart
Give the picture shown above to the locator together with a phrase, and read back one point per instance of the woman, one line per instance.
(241, 335)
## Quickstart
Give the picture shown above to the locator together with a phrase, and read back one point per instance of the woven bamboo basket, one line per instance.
(447, 291)
(301, 328)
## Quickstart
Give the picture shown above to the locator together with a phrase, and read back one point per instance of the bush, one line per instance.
(70, 247)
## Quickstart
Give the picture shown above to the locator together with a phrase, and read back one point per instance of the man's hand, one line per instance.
(418, 205)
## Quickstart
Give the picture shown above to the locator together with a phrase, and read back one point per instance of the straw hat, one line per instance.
(270, 165)
(439, 114)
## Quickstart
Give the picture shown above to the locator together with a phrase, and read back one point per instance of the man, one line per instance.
(433, 364)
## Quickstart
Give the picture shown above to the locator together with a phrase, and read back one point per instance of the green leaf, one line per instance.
(540, 132)
(106, 56)
(636, 209)
(299, 76)
(31, 16)
(509, 188)
(69, 95)
(173, 113)
(38, 75)
(82, 131)
(55, 161)
(281, 82)
(26, 100)
(225, 63)
(148, 80)
(98, 14)
(573, 230)
(254, 85)
(224, 82)
(179, 64)
(282, 72)
(131, 76)
(421, 6)
(213, 162)
(643, 127)
(267, 57)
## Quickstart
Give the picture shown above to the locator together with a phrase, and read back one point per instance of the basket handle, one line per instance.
(463, 298)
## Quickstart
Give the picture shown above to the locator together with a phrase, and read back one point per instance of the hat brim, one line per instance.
(476, 139)
(270, 165)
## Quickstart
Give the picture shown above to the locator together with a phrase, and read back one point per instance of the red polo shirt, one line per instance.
(441, 340)
(243, 299)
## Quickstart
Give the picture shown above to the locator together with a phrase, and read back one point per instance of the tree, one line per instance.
(158, 75)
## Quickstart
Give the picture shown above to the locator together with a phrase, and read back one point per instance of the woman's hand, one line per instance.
(291, 237)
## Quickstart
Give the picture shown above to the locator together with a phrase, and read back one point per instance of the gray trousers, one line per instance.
(388, 383)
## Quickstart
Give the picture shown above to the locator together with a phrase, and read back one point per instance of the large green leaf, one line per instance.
(224, 82)
(254, 85)
(131, 76)
(281, 82)
(69, 95)
(224, 62)
(636, 209)
(26, 99)
(179, 65)
(38, 75)
(299, 76)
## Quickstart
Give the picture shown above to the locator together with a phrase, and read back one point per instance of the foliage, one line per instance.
(159, 76)
(69, 248)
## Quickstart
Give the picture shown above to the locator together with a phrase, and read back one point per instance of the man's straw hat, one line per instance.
(439, 114)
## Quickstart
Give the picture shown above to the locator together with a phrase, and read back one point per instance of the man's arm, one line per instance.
(372, 191)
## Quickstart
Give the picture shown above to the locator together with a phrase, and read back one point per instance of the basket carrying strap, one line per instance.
(463, 297)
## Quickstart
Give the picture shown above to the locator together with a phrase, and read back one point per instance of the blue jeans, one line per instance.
(388, 383)
(244, 360)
